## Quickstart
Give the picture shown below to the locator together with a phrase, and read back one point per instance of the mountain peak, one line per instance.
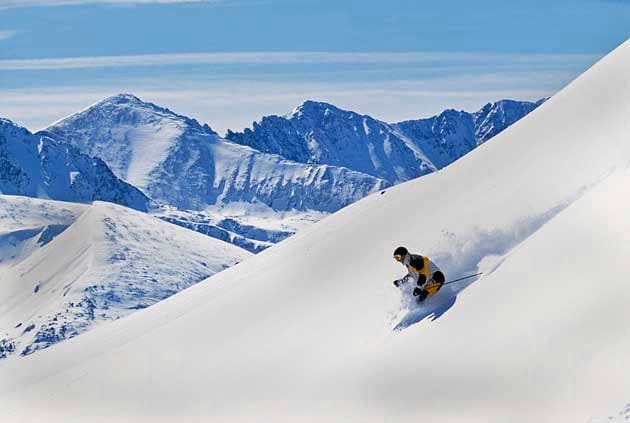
(7, 125)
(123, 98)
(126, 107)
(312, 107)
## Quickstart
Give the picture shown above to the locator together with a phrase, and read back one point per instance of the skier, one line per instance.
(421, 271)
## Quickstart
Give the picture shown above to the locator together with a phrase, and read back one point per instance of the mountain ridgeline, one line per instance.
(318, 158)
(321, 133)
(177, 161)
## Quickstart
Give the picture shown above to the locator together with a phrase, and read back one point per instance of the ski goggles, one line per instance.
(398, 257)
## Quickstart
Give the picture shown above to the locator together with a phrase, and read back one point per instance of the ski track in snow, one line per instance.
(459, 256)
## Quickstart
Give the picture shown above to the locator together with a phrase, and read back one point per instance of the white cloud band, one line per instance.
(289, 58)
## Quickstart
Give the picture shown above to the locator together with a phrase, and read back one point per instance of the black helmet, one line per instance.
(400, 251)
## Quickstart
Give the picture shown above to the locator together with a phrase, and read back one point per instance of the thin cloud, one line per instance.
(9, 4)
(288, 58)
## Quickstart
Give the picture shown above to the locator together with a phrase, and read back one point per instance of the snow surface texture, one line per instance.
(101, 262)
(622, 416)
(321, 133)
(38, 166)
(300, 332)
(176, 161)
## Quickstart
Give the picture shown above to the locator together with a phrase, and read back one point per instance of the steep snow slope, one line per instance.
(109, 262)
(177, 161)
(303, 331)
(39, 166)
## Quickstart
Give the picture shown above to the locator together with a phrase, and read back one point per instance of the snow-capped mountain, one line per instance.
(495, 117)
(39, 166)
(318, 132)
(452, 134)
(177, 161)
(303, 331)
(80, 265)
(324, 134)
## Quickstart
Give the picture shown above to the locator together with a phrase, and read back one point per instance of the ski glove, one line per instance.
(422, 294)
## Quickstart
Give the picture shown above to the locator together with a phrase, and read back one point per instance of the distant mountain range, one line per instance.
(40, 166)
(318, 158)
(175, 160)
(321, 133)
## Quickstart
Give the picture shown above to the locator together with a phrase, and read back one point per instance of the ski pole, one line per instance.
(461, 279)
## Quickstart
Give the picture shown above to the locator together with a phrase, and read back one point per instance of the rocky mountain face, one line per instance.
(452, 134)
(321, 133)
(39, 166)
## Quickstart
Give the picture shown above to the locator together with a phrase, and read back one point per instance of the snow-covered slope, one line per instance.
(27, 224)
(621, 416)
(175, 160)
(318, 132)
(105, 262)
(39, 166)
(303, 330)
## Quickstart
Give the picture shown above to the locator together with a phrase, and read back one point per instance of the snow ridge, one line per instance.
(105, 264)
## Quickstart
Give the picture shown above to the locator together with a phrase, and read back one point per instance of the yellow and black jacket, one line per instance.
(423, 272)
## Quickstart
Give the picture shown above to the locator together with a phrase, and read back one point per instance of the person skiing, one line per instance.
(421, 271)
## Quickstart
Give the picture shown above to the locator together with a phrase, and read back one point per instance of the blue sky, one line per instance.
(228, 62)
